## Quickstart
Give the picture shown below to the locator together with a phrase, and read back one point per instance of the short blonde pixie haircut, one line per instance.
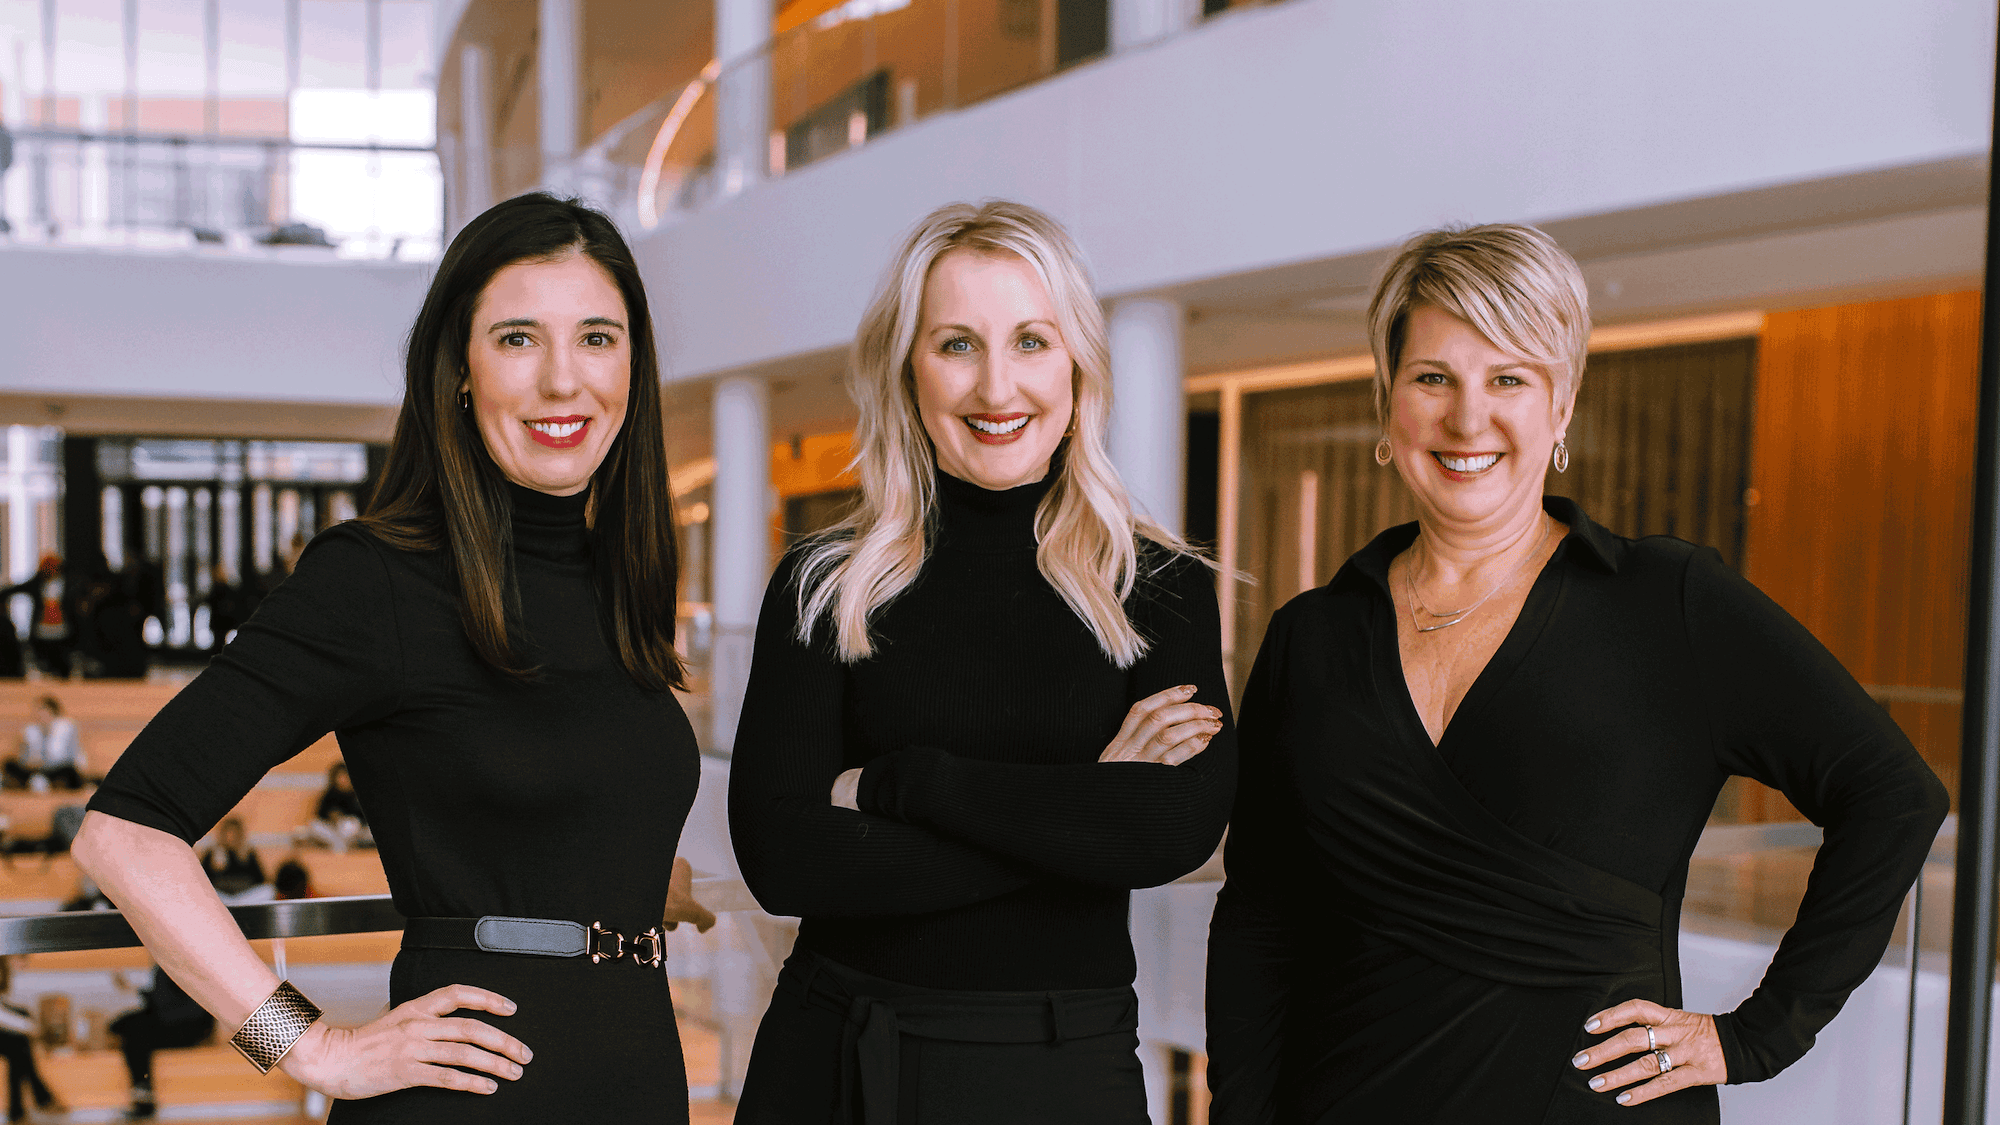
(1513, 283)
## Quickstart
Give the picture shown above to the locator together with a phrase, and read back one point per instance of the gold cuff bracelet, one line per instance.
(277, 1023)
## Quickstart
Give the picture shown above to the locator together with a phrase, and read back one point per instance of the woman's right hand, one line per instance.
(1164, 727)
(413, 1044)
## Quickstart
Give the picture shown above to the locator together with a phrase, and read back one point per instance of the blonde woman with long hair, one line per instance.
(981, 711)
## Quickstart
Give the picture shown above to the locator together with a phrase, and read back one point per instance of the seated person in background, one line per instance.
(167, 1019)
(338, 821)
(17, 1031)
(49, 750)
(232, 864)
(293, 880)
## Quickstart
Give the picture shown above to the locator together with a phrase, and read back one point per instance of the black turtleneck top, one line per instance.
(993, 851)
(559, 797)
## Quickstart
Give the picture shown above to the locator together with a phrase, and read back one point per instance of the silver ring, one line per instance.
(1662, 1060)
(1650, 1044)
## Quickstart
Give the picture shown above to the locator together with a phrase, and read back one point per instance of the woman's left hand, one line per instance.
(1688, 1039)
(847, 790)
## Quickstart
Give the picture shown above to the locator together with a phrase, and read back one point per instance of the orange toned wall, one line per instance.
(1862, 467)
(819, 466)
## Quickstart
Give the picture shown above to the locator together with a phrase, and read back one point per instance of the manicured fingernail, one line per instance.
(1597, 1083)
(512, 1007)
(1624, 1099)
(1591, 1026)
(488, 1086)
(514, 1071)
(530, 1055)
(1580, 1061)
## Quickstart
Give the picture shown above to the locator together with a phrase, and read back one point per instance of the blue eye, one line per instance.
(1033, 343)
(957, 345)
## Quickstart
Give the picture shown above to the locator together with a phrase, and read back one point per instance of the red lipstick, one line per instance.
(973, 422)
(566, 432)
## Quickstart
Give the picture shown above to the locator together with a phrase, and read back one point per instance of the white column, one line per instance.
(94, 186)
(743, 93)
(559, 63)
(475, 135)
(1149, 406)
(1135, 23)
(742, 527)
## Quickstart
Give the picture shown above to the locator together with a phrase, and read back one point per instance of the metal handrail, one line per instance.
(108, 929)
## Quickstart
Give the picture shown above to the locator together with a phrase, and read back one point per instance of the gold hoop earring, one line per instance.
(1561, 456)
(1384, 453)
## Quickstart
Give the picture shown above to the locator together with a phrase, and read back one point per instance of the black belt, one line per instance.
(871, 1042)
(536, 937)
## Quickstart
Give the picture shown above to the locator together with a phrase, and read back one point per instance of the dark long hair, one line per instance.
(441, 490)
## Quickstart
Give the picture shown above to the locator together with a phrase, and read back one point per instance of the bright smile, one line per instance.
(996, 429)
(559, 433)
(1464, 466)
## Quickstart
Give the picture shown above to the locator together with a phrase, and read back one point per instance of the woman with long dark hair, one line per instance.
(493, 645)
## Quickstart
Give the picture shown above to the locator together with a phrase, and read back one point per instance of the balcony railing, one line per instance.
(141, 190)
(836, 78)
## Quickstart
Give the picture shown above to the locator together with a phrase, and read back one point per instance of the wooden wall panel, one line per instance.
(1862, 475)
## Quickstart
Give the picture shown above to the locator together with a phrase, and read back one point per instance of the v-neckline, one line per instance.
(1521, 636)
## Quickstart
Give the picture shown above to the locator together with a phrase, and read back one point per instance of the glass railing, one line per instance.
(251, 195)
(840, 74)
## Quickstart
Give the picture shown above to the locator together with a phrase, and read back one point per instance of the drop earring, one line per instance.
(465, 400)
(1561, 456)
(1383, 452)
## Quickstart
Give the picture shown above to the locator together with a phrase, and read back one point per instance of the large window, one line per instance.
(229, 124)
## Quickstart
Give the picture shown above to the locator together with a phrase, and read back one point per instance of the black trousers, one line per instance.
(959, 1058)
(21, 1073)
(60, 777)
(142, 1032)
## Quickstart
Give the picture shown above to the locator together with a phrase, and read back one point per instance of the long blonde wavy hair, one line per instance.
(1086, 532)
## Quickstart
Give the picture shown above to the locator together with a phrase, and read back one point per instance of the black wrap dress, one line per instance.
(562, 797)
(1414, 932)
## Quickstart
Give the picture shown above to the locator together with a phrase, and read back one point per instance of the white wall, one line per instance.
(106, 323)
(1317, 128)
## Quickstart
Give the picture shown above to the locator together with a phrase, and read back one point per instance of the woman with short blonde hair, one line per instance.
(1463, 833)
(971, 724)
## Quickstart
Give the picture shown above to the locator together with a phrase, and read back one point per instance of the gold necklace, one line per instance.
(1410, 583)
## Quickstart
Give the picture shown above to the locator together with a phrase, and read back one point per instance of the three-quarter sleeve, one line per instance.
(1254, 939)
(1112, 824)
(1789, 715)
(800, 854)
(321, 653)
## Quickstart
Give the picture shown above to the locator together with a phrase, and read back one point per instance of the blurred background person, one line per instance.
(17, 1046)
(232, 864)
(339, 822)
(50, 753)
(166, 1018)
(49, 629)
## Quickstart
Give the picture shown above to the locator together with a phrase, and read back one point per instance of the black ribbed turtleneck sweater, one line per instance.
(993, 852)
(559, 797)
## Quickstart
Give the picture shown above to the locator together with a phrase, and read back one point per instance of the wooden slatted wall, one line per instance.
(1863, 474)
